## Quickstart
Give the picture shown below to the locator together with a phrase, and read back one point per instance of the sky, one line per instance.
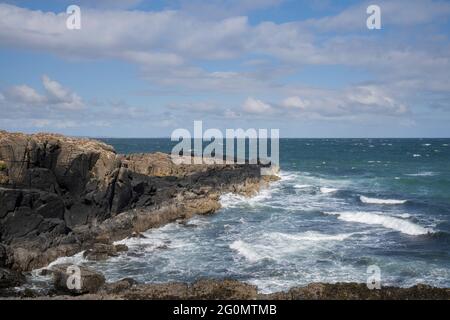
(145, 68)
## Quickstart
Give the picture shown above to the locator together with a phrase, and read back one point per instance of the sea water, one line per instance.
(340, 206)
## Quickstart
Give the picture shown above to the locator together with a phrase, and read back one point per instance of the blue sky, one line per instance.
(144, 68)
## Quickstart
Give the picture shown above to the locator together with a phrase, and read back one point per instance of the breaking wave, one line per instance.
(380, 201)
(398, 224)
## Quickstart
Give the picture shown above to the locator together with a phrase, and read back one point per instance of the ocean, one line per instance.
(340, 206)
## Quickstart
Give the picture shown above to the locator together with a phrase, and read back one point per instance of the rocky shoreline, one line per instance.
(60, 196)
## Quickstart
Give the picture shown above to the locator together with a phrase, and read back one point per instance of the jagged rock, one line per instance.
(119, 286)
(225, 289)
(121, 248)
(90, 282)
(100, 252)
(60, 194)
(9, 278)
(5, 256)
(137, 235)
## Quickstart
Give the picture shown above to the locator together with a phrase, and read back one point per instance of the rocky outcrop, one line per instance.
(61, 195)
(208, 289)
(101, 251)
(81, 280)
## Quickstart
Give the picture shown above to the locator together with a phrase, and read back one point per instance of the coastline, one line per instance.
(125, 195)
(64, 195)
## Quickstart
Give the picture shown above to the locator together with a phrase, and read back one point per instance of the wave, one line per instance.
(398, 224)
(422, 174)
(310, 236)
(328, 190)
(380, 201)
(278, 245)
(232, 200)
(247, 251)
(302, 186)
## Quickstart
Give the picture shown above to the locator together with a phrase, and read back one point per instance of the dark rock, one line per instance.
(121, 248)
(225, 289)
(137, 235)
(64, 279)
(45, 272)
(60, 194)
(20, 223)
(4, 256)
(10, 278)
(119, 286)
(100, 251)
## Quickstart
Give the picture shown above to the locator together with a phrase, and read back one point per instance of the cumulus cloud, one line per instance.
(61, 96)
(169, 45)
(172, 47)
(252, 105)
(57, 107)
(295, 102)
(353, 101)
(24, 94)
(56, 96)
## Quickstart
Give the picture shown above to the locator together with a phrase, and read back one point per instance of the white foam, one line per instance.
(76, 259)
(328, 190)
(310, 236)
(246, 250)
(422, 174)
(388, 222)
(278, 246)
(381, 201)
(231, 200)
(302, 186)
(416, 155)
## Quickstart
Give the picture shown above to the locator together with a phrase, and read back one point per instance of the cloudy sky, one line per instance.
(144, 68)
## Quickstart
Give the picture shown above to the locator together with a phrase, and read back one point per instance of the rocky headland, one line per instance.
(60, 196)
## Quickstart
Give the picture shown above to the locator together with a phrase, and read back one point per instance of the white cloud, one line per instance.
(231, 114)
(23, 97)
(252, 105)
(25, 94)
(171, 46)
(60, 96)
(295, 102)
(374, 99)
(351, 102)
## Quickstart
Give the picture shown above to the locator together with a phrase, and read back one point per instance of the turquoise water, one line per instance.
(340, 206)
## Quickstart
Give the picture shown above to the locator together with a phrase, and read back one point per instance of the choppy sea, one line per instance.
(340, 206)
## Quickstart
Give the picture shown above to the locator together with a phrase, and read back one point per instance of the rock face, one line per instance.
(61, 195)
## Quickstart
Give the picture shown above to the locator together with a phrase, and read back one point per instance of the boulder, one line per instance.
(100, 251)
(73, 279)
